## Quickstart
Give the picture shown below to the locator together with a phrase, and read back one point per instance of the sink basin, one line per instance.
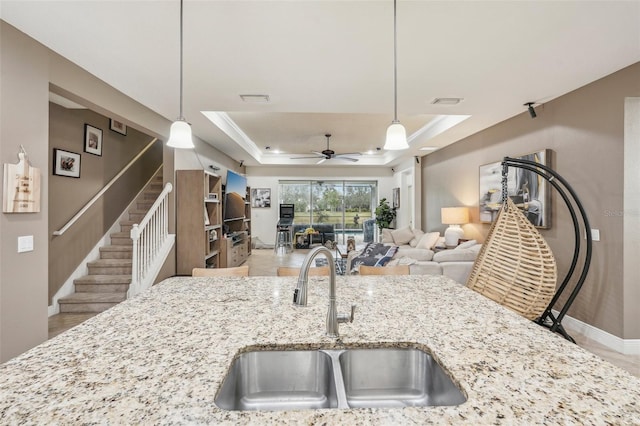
(351, 378)
(390, 377)
(279, 380)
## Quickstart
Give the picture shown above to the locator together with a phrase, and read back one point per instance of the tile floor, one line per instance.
(265, 262)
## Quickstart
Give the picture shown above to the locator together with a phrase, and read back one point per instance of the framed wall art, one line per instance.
(529, 191)
(260, 197)
(118, 126)
(66, 163)
(92, 140)
(396, 198)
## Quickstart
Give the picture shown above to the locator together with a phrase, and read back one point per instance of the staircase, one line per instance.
(109, 277)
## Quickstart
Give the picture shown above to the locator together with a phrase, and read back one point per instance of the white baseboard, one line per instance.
(624, 346)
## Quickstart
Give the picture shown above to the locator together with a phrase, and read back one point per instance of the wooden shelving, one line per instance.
(199, 220)
(247, 219)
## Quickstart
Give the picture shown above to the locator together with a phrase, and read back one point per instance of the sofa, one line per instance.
(425, 254)
(326, 230)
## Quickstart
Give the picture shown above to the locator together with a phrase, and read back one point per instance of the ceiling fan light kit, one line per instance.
(329, 154)
(396, 133)
(180, 133)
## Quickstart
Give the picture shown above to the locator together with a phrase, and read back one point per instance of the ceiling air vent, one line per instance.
(255, 99)
(447, 101)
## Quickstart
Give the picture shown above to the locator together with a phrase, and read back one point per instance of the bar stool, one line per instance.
(284, 242)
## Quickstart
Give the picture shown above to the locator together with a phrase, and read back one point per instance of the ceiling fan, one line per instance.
(329, 154)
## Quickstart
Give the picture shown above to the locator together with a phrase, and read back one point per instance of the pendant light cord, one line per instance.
(181, 116)
(395, 65)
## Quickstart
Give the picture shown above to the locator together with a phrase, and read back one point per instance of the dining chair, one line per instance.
(384, 270)
(287, 271)
(238, 271)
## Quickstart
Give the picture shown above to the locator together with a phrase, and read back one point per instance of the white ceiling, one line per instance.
(327, 66)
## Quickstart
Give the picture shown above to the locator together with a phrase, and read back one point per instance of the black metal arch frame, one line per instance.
(548, 319)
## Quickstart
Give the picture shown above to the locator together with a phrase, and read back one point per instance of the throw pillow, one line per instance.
(374, 254)
(467, 244)
(428, 240)
(402, 236)
(386, 236)
(417, 233)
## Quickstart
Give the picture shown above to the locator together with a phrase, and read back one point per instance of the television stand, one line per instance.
(234, 249)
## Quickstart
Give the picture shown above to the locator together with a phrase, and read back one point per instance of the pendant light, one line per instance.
(396, 134)
(180, 134)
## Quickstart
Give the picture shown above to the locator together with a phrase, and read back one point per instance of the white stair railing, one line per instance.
(151, 243)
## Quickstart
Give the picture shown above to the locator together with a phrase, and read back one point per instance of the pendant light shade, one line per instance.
(180, 136)
(396, 133)
(180, 133)
(396, 137)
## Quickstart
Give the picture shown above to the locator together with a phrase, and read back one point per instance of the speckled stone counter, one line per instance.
(160, 358)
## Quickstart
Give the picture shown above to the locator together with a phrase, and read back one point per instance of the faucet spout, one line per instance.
(300, 293)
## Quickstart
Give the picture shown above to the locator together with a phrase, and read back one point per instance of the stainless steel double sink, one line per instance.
(346, 378)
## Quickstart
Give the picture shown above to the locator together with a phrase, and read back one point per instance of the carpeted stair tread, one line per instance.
(121, 234)
(111, 262)
(94, 298)
(116, 247)
(103, 279)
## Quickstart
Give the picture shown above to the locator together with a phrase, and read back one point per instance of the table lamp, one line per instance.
(454, 217)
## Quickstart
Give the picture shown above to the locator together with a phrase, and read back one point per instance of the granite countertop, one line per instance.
(160, 357)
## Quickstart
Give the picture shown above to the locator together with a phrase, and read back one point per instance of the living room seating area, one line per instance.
(423, 252)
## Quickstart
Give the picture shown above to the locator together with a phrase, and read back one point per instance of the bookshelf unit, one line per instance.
(199, 220)
(235, 247)
(247, 219)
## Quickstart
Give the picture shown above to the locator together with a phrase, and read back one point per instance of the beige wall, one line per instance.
(68, 195)
(585, 131)
(24, 119)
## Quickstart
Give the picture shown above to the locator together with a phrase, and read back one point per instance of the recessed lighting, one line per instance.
(428, 148)
(255, 99)
(447, 101)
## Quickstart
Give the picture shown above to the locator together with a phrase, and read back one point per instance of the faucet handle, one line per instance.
(347, 317)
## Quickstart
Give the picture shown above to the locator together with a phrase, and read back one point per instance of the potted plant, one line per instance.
(385, 214)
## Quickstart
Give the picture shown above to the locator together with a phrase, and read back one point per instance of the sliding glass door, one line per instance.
(345, 207)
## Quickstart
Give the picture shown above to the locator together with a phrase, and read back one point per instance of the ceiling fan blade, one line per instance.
(318, 153)
(322, 161)
(304, 158)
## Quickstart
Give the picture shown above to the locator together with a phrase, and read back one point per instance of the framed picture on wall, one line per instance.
(92, 140)
(118, 126)
(396, 198)
(66, 163)
(260, 198)
(528, 191)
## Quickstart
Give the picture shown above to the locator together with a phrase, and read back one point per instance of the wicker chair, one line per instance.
(515, 266)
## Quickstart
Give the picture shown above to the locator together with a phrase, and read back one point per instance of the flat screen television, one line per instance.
(234, 197)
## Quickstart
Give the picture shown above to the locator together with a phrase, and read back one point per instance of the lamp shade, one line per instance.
(180, 135)
(454, 215)
(396, 137)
